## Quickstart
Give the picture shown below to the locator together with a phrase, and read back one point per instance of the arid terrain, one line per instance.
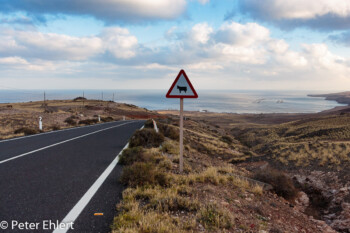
(242, 173)
(18, 119)
(311, 149)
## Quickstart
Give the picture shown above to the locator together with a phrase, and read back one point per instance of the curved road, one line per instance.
(62, 177)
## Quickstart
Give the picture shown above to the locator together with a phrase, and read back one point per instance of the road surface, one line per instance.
(61, 179)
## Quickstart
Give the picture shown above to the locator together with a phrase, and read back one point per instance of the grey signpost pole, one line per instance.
(181, 134)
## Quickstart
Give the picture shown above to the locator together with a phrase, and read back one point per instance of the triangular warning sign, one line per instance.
(182, 87)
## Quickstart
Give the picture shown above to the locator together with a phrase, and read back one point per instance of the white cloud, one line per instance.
(201, 33)
(51, 46)
(13, 61)
(119, 42)
(318, 14)
(242, 34)
(301, 9)
(322, 58)
(278, 46)
(233, 52)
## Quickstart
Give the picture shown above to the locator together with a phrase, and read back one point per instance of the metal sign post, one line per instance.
(181, 134)
(181, 88)
(40, 123)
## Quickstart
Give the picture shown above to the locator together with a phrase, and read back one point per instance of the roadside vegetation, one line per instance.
(212, 195)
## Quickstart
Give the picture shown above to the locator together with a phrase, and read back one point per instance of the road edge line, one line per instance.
(74, 213)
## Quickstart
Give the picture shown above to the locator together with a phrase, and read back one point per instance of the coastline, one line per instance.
(341, 97)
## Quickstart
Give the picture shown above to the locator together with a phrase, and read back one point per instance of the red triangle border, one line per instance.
(182, 72)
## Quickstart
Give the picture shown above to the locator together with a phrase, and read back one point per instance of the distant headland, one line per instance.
(341, 97)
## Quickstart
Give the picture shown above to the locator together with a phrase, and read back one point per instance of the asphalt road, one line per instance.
(66, 175)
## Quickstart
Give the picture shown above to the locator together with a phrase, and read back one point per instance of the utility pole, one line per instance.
(102, 95)
(83, 99)
(113, 97)
(44, 98)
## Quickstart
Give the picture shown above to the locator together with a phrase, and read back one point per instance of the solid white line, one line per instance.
(82, 203)
(58, 143)
(55, 131)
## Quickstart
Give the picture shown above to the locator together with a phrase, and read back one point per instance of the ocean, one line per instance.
(232, 101)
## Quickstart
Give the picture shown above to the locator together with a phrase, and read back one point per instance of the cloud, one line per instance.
(320, 14)
(115, 41)
(234, 53)
(119, 42)
(242, 34)
(110, 11)
(201, 33)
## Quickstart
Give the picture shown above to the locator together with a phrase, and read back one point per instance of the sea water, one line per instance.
(232, 101)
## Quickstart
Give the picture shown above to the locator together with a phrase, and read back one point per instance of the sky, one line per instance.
(143, 44)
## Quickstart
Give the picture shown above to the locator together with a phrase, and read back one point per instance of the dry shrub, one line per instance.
(25, 131)
(149, 124)
(140, 173)
(211, 216)
(169, 131)
(131, 155)
(70, 120)
(107, 119)
(170, 147)
(88, 122)
(147, 138)
(55, 127)
(281, 183)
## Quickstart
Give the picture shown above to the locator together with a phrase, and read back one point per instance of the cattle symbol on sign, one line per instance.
(182, 87)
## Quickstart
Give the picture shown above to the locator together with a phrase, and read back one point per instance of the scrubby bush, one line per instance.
(107, 119)
(166, 164)
(147, 138)
(131, 155)
(88, 122)
(176, 203)
(170, 147)
(70, 120)
(55, 127)
(169, 131)
(140, 173)
(281, 183)
(26, 131)
(211, 216)
(149, 124)
(80, 98)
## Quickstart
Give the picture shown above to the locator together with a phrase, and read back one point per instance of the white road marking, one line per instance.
(82, 203)
(55, 131)
(58, 143)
